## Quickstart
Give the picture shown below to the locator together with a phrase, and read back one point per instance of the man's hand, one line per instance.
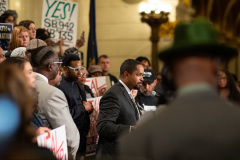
(40, 131)
(80, 42)
(88, 106)
(61, 42)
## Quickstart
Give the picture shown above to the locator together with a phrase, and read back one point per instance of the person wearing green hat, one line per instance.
(197, 124)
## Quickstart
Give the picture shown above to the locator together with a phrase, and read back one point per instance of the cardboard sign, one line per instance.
(3, 6)
(56, 142)
(98, 85)
(5, 35)
(92, 137)
(60, 19)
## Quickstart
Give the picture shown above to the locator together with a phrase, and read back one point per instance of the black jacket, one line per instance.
(75, 95)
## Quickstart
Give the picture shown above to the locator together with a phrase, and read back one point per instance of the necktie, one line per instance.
(135, 105)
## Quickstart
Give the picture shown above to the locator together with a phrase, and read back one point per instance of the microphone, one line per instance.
(154, 94)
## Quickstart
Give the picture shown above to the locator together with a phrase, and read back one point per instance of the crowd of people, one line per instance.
(188, 111)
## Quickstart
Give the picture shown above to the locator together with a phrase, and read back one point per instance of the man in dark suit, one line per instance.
(118, 110)
(198, 124)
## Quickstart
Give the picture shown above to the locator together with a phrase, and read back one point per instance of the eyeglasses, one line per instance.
(76, 69)
(59, 63)
(84, 74)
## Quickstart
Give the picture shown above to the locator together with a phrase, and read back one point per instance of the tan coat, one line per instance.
(54, 111)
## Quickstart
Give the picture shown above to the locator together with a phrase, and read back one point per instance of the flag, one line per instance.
(92, 54)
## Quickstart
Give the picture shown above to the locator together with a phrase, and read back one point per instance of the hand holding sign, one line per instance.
(80, 42)
(88, 106)
(61, 42)
(56, 142)
(40, 131)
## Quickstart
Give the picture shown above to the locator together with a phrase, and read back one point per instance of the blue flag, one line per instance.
(92, 54)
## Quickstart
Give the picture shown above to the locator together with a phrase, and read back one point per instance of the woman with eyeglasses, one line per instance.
(82, 81)
(227, 87)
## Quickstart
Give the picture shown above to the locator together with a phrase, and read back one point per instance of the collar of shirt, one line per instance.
(194, 88)
(127, 89)
(42, 76)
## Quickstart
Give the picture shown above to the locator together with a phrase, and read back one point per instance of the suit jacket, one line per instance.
(198, 125)
(116, 114)
(75, 94)
(54, 111)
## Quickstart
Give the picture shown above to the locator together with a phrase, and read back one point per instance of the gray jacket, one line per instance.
(54, 111)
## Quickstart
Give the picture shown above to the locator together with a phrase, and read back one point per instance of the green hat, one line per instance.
(198, 35)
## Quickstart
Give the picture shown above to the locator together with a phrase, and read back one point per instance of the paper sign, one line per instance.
(56, 142)
(5, 35)
(149, 108)
(3, 6)
(98, 85)
(60, 19)
(92, 137)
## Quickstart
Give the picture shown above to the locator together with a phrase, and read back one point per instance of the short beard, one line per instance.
(136, 87)
(147, 94)
(71, 77)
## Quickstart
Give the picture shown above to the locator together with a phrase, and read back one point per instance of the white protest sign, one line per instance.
(92, 137)
(3, 6)
(60, 19)
(56, 142)
(98, 85)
